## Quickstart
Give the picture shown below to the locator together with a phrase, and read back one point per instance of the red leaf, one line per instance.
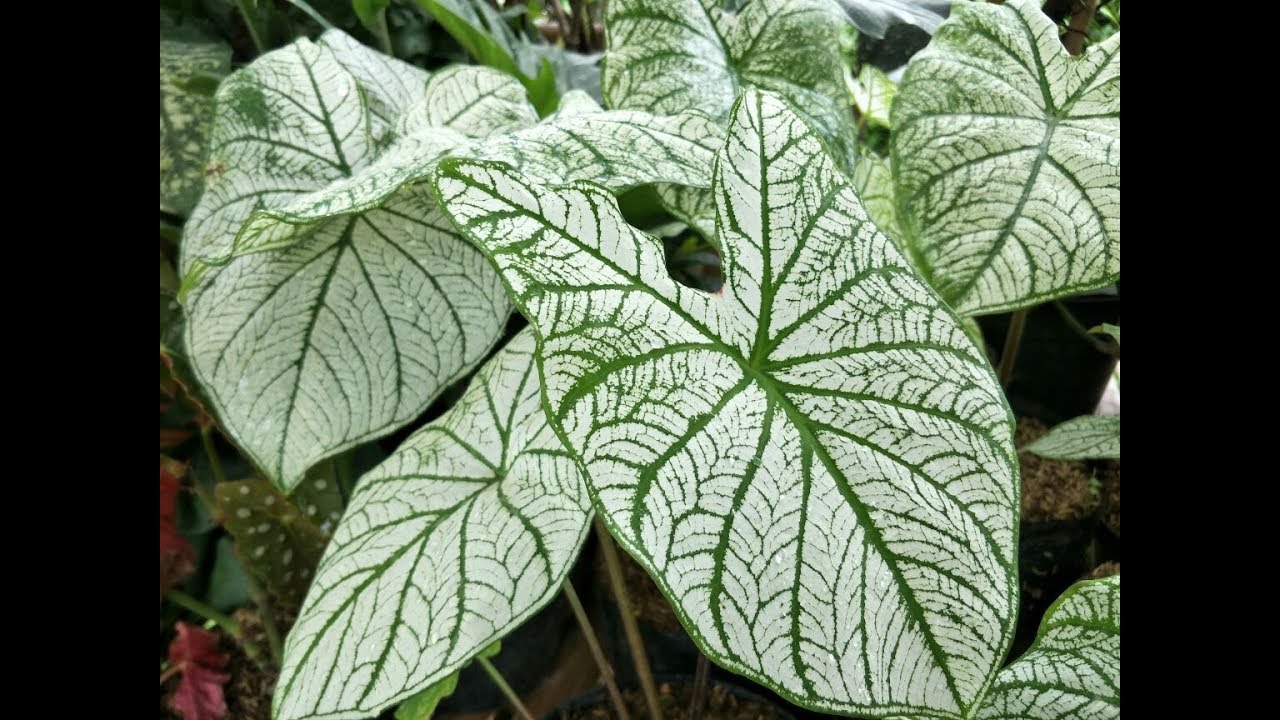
(177, 559)
(199, 693)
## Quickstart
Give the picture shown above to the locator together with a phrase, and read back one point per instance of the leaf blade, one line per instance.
(620, 341)
(1006, 158)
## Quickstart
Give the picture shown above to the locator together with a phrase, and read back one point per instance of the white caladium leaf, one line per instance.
(873, 94)
(814, 463)
(1084, 438)
(1072, 671)
(1006, 157)
(349, 329)
(462, 534)
(184, 118)
(669, 56)
(345, 301)
(874, 182)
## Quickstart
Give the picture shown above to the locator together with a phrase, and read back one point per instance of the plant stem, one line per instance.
(268, 617)
(206, 439)
(173, 670)
(593, 642)
(629, 626)
(505, 688)
(386, 33)
(1071, 321)
(699, 688)
(251, 22)
(229, 626)
(1078, 29)
(1012, 341)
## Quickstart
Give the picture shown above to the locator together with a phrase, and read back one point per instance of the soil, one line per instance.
(647, 602)
(1104, 570)
(1110, 474)
(675, 699)
(1052, 489)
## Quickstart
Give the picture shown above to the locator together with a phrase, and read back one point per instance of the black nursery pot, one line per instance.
(1059, 373)
(597, 698)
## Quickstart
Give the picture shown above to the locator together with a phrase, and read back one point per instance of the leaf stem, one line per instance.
(228, 625)
(385, 32)
(505, 688)
(251, 22)
(638, 656)
(268, 617)
(593, 642)
(1071, 321)
(210, 451)
(699, 688)
(1012, 342)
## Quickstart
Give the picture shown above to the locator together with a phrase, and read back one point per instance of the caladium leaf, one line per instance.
(669, 56)
(1006, 157)
(1072, 670)
(463, 533)
(814, 463)
(277, 540)
(184, 119)
(873, 180)
(1084, 438)
(873, 94)
(1108, 329)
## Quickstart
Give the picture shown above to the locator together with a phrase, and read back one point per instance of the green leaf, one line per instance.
(873, 94)
(814, 463)
(669, 56)
(184, 118)
(423, 705)
(275, 538)
(1084, 438)
(1072, 670)
(367, 11)
(873, 180)
(462, 534)
(496, 47)
(1006, 158)
(1108, 329)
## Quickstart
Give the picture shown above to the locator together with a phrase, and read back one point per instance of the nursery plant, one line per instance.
(814, 462)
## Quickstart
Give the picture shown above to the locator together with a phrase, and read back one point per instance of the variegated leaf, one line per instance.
(669, 56)
(463, 533)
(1006, 157)
(334, 306)
(814, 463)
(874, 182)
(184, 118)
(276, 539)
(1083, 438)
(1072, 671)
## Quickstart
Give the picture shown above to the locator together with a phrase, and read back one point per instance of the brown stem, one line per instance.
(1012, 341)
(562, 19)
(593, 642)
(506, 690)
(629, 626)
(699, 688)
(1078, 28)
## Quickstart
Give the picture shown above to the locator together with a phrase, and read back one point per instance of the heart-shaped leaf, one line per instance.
(463, 533)
(814, 463)
(670, 56)
(1006, 156)
(1072, 670)
(330, 303)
